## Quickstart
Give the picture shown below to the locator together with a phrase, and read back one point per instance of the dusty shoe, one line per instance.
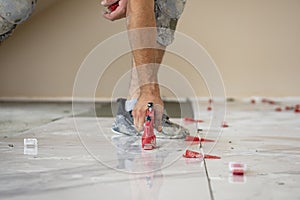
(124, 125)
(124, 122)
(171, 130)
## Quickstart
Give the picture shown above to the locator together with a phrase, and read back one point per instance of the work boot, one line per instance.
(124, 121)
(171, 130)
(124, 125)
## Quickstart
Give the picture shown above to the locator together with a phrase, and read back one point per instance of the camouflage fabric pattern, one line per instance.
(12, 13)
(167, 13)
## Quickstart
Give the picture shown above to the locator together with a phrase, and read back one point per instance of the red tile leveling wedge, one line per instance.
(148, 137)
(113, 6)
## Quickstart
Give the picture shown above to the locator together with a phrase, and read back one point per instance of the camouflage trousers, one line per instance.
(12, 13)
(167, 13)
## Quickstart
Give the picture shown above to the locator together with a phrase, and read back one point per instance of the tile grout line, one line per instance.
(208, 181)
(206, 172)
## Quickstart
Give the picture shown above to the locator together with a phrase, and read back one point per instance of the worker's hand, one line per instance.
(118, 13)
(139, 111)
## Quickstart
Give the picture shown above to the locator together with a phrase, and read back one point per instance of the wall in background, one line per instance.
(255, 44)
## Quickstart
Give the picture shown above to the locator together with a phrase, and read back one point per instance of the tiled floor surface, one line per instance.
(80, 158)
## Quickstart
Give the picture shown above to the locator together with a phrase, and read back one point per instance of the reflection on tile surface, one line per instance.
(81, 158)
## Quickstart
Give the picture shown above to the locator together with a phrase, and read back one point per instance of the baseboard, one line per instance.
(106, 99)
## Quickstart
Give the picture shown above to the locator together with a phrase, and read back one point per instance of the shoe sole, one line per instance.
(121, 133)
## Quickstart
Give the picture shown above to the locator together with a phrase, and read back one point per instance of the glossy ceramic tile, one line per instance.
(269, 143)
(80, 158)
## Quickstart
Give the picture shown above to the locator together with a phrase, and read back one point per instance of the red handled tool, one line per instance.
(148, 137)
(113, 6)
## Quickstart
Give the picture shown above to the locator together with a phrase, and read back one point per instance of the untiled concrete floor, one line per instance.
(80, 158)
